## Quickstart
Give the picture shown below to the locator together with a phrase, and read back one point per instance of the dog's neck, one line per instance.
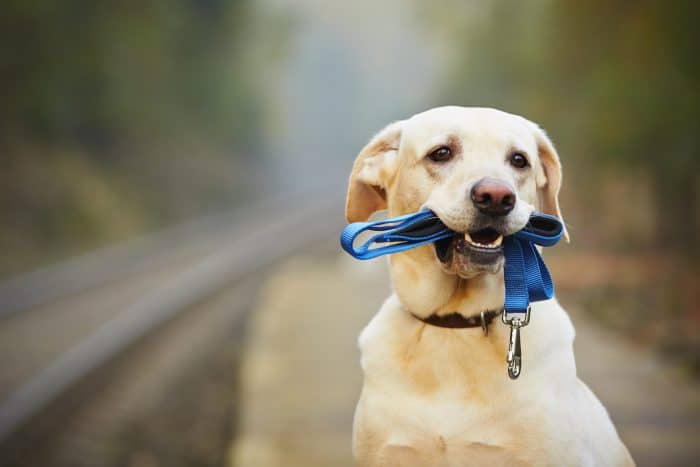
(425, 290)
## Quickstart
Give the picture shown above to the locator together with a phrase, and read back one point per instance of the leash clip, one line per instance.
(514, 358)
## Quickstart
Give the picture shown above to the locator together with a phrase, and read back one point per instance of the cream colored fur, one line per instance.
(441, 397)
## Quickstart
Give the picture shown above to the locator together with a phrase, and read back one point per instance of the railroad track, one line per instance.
(66, 330)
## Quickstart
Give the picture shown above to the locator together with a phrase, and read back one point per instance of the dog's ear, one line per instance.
(549, 181)
(372, 169)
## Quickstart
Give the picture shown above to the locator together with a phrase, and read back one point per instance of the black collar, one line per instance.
(457, 321)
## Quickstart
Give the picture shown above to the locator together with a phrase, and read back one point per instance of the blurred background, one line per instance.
(172, 176)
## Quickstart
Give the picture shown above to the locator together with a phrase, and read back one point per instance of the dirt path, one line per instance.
(301, 375)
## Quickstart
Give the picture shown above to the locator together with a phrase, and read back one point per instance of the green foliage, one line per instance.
(99, 72)
(616, 83)
(122, 116)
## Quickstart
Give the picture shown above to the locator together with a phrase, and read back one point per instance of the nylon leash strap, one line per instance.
(525, 274)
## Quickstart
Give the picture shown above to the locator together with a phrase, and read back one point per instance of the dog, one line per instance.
(438, 395)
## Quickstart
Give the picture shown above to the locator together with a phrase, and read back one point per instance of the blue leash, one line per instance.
(403, 232)
(525, 274)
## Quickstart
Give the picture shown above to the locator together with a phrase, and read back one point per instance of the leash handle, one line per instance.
(401, 233)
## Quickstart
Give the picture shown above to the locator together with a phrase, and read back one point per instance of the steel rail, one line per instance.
(270, 236)
(105, 265)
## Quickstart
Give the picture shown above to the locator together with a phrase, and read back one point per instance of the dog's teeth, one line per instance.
(493, 245)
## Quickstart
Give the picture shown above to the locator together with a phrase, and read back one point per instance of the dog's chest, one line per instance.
(441, 408)
(454, 432)
(435, 397)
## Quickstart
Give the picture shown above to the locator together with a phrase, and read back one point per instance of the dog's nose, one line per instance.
(493, 197)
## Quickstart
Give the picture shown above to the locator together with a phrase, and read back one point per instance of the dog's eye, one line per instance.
(518, 160)
(441, 154)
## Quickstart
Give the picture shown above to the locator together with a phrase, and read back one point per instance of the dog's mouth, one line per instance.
(470, 252)
(487, 239)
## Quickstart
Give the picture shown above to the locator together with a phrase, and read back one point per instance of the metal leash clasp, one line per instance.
(514, 358)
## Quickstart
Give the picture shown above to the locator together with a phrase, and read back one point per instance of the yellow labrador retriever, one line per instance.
(436, 395)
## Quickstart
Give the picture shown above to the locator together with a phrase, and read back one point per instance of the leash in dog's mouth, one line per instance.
(525, 274)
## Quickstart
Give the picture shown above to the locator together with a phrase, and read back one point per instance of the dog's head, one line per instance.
(482, 171)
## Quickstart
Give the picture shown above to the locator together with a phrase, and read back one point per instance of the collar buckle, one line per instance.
(484, 324)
